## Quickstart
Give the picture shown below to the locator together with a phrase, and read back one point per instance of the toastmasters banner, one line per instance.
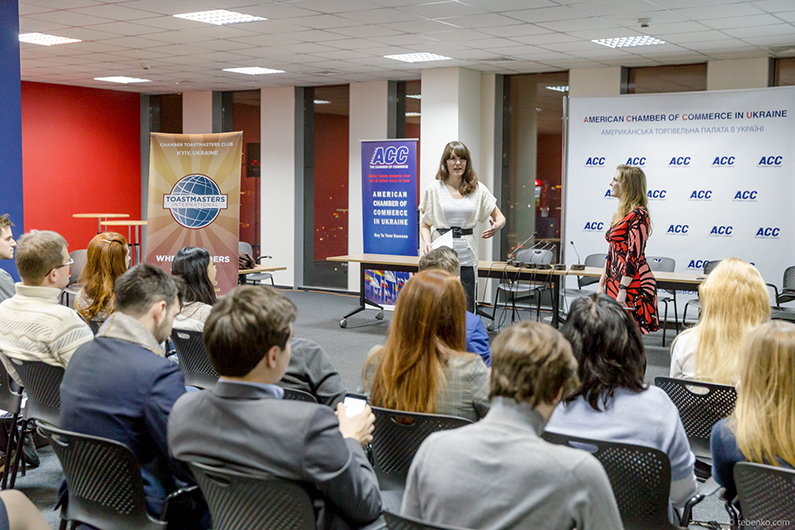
(194, 200)
(719, 169)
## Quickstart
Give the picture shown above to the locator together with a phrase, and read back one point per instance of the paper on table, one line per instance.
(445, 240)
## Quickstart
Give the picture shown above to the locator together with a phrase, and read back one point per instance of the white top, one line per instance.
(683, 351)
(458, 212)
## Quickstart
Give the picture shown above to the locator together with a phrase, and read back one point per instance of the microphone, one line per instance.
(575, 251)
(512, 255)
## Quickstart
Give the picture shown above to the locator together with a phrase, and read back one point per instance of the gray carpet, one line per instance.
(319, 314)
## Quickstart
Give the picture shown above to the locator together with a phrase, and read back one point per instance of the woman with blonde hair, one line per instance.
(107, 258)
(627, 277)
(762, 428)
(734, 300)
(424, 366)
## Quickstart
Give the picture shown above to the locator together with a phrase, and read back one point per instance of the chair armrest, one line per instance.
(264, 257)
(710, 487)
(775, 290)
(187, 490)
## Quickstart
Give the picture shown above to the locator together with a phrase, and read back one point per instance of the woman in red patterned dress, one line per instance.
(627, 276)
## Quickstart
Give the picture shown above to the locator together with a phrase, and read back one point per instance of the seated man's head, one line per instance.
(443, 258)
(248, 333)
(606, 342)
(151, 296)
(532, 363)
(7, 242)
(42, 259)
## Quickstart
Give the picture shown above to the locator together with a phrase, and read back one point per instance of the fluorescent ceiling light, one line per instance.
(122, 79)
(322, 102)
(44, 39)
(624, 42)
(418, 57)
(220, 17)
(559, 88)
(414, 96)
(253, 70)
(413, 114)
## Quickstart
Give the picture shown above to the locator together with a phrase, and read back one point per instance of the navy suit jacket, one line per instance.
(122, 391)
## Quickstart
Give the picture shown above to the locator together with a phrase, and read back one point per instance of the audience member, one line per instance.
(7, 245)
(424, 366)
(119, 386)
(244, 425)
(762, 428)
(197, 270)
(107, 258)
(310, 370)
(18, 513)
(734, 300)
(35, 327)
(499, 473)
(446, 259)
(613, 403)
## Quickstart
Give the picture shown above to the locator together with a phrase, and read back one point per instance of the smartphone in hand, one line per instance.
(354, 404)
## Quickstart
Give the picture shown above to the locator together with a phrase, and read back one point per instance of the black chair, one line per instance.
(10, 401)
(193, 359)
(396, 439)
(80, 258)
(104, 480)
(663, 264)
(695, 302)
(766, 493)
(253, 500)
(787, 293)
(298, 395)
(404, 522)
(517, 290)
(701, 406)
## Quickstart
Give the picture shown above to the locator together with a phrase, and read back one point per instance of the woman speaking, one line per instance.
(627, 277)
(458, 202)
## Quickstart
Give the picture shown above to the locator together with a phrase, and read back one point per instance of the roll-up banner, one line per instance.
(194, 200)
(719, 169)
(389, 206)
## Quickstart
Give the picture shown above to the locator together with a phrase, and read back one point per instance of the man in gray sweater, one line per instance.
(7, 245)
(499, 472)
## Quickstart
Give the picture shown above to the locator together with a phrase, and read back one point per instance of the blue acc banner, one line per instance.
(389, 196)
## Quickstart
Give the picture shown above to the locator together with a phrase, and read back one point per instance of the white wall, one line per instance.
(278, 200)
(367, 121)
(594, 82)
(197, 112)
(738, 73)
(488, 156)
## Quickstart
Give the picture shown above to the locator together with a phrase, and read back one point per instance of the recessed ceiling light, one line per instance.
(414, 96)
(253, 70)
(122, 79)
(220, 17)
(624, 42)
(559, 88)
(413, 114)
(322, 102)
(418, 57)
(44, 39)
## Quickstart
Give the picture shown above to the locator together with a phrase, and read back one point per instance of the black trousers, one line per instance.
(468, 281)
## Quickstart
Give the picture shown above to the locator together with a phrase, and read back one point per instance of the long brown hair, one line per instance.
(633, 191)
(469, 180)
(428, 327)
(106, 261)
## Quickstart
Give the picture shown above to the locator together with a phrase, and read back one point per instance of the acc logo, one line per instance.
(680, 161)
(593, 226)
(745, 196)
(390, 155)
(722, 231)
(697, 264)
(637, 161)
(678, 230)
(657, 195)
(771, 161)
(701, 195)
(595, 161)
(195, 201)
(723, 161)
(768, 233)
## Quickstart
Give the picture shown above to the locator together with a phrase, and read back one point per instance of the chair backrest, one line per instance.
(640, 477)
(397, 437)
(767, 493)
(239, 500)
(10, 398)
(788, 283)
(404, 522)
(540, 256)
(298, 395)
(701, 406)
(244, 247)
(710, 265)
(662, 264)
(591, 260)
(104, 481)
(80, 258)
(193, 360)
(42, 384)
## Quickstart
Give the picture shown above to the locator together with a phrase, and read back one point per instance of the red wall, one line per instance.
(246, 118)
(80, 154)
(331, 185)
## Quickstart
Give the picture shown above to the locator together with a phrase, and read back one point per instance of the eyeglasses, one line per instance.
(67, 264)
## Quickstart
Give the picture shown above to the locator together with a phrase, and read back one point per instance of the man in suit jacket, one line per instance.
(243, 424)
(499, 473)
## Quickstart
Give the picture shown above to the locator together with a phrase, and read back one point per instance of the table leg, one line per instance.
(362, 300)
(99, 225)
(138, 245)
(555, 300)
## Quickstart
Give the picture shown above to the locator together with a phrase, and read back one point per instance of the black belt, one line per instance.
(457, 231)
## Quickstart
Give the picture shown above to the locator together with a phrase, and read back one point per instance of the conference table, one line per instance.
(675, 281)
(241, 274)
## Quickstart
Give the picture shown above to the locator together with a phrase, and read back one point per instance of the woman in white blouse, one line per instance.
(457, 201)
